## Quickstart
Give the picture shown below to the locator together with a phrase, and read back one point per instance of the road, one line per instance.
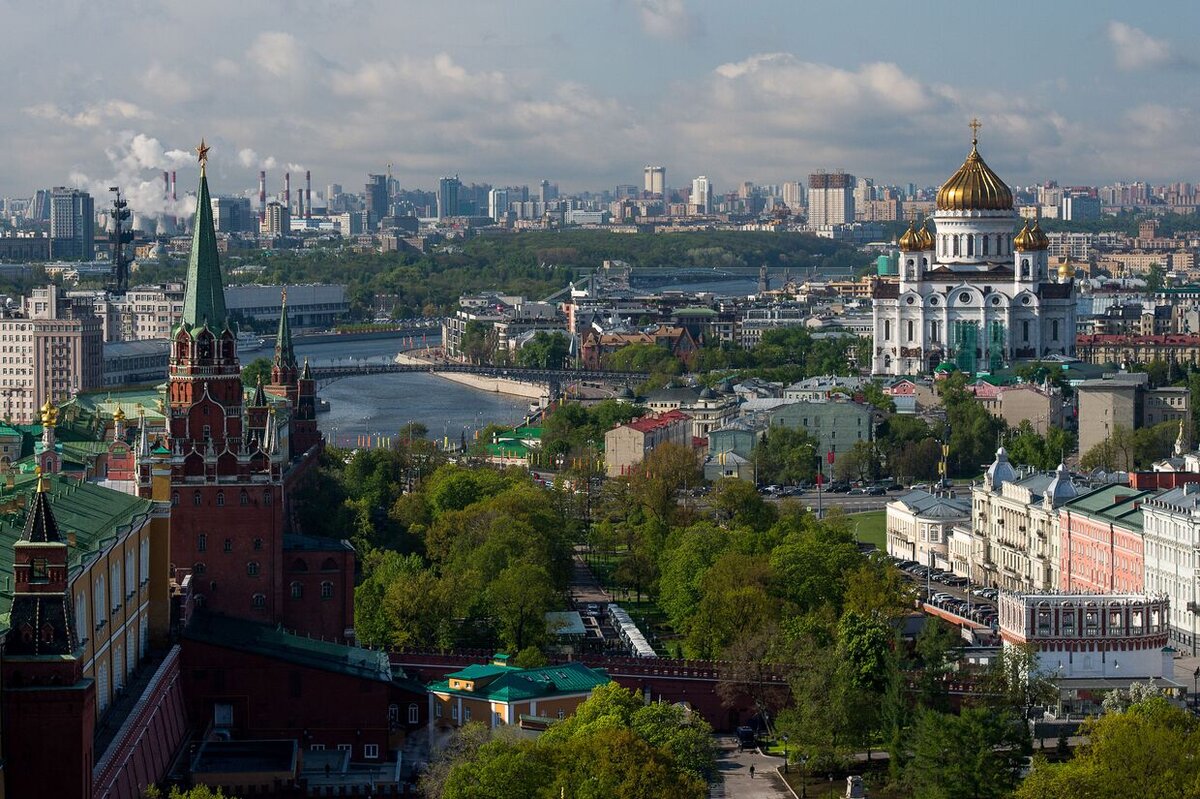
(734, 768)
(850, 503)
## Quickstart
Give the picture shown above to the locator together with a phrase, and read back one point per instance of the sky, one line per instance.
(587, 92)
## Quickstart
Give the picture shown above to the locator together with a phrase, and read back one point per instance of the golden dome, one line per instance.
(1040, 239)
(926, 238)
(119, 415)
(910, 240)
(1024, 240)
(974, 187)
(49, 414)
(1065, 271)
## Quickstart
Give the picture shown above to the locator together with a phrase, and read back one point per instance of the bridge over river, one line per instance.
(327, 373)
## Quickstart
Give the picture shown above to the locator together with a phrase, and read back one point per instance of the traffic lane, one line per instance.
(851, 503)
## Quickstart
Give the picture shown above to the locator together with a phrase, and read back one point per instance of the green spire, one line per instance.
(204, 299)
(285, 357)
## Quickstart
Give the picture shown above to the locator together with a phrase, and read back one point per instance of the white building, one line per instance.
(1092, 643)
(971, 290)
(919, 525)
(1171, 536)
(1014, 528)
(702, 195)
(830, 199)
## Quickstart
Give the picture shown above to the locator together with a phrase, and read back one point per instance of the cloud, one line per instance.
(667, 19)
(280, 54)
(166, 83)
(91, 116)
(1135, 49)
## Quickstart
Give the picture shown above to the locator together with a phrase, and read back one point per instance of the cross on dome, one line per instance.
(975, 126)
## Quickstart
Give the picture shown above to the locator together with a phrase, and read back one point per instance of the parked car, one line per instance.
(896, 487)
(905, 565)
(877, 491)
(955, 581)
(858, 491)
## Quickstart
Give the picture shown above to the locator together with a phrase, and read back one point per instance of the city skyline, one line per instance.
(588, 96)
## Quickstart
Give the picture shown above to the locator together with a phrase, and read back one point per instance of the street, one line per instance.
(734, 768)
(850, 503)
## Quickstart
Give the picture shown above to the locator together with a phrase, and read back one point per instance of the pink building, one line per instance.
(1100, 535)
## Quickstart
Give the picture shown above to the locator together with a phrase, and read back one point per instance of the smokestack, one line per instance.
(166, 185)
(262, 196)
(173, 196)
(287, 191)
(308, 194)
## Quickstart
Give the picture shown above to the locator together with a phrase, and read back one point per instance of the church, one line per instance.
(973, 290)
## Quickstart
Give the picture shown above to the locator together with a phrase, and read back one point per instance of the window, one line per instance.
(413, 713)
(394, 713)
(466, 714)
(887, 329)
(175, 498)
(207, 429)
(267, 496)
(118, 669)
(371, 751)
(252, 568)
(326, 590)
(40, 571)
(910, 329)
(81, 621)
(102, 686)
(220, 499)
(561, 714)
(130, 575)
(144, 554)
(437, 710)
(115, 588)
(222, 715)
(259, 601)
(228, 544)
(1025, 330)
(244, 499)
(196, 499)
(257, 544)
(1054, 330)
(199, 568)
(317, 748)
(454, 711)
(202, 542)
(345, 748)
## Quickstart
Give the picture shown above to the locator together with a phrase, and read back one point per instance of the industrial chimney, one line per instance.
(262, 196)
(287, 191)
(308, 194)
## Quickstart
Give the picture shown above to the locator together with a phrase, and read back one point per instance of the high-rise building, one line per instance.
(655, 181)
(702, 195)
(278, 221)
(72, 225)
(830, 199)
(1080, 207)
(793, 194)
(547, 191)
(39, 206)
(447, 197)
(376, 196)
(233, 215)
(498, 204)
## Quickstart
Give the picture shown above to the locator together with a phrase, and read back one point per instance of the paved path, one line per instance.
(584, 586)
(734, 767)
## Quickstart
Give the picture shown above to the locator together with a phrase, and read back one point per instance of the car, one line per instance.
(939, 596)
(858, 492)
(920, 571)
(905, 565)
(841, 488)
(955, 581)
(896, 487)
(877, 491)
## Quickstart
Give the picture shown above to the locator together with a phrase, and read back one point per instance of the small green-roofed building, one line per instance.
(496, 693)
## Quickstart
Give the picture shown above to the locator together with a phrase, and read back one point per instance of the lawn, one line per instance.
(872, 527)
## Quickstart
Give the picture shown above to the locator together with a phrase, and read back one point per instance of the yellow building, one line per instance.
(497, 693)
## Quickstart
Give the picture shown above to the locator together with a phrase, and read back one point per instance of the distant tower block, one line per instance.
(262, 196)
(308, 194)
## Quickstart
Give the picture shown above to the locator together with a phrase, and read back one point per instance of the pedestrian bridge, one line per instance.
(326, 374)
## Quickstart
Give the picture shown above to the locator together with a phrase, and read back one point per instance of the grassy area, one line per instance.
(872, 527)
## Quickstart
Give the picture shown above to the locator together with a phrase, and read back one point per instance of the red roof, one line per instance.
(652, 422)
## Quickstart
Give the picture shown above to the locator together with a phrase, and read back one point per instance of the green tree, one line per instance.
(1027, 447)
(195, 792)
(734, 597)
(865, 643)
(657, 481)
(1156, 277)
(738, 502)
(545, 351)
(974, 755)
(860, 462)
(786, 457)
(1148, 750)
(519, 599)
(258, 369)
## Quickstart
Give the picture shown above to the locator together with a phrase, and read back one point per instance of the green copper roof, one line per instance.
(498, 683)
(204, 299)
(285, 357)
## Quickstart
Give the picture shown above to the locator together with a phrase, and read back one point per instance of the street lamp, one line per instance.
(1196, 687)
(803, 776)
(785, 742)
(830, 786)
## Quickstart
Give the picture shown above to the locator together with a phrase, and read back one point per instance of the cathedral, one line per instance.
(972, 291)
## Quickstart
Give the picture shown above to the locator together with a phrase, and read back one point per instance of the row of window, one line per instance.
(202, 543)
(951, 244)
(198, 496)
(123, 586)
(260, 600)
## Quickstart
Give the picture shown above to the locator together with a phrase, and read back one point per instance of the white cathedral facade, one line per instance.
(972, 291)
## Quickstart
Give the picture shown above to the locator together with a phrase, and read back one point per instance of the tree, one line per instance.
(973, 431)
(864, 644)
(1027, 447)
(733, 598)
(1015, 683)
(1148, 750)
(785, 456)
(519, 600)
(860, 462)
(974, 755)
(1156, 277)
(195, 792)
(657, 480)
(258, 369)
(739, 502)
(545, 351)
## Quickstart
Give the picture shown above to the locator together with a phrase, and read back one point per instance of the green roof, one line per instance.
(1118, 504)
(204, 297)
(90, 513)
(499, 683)
(273, 642)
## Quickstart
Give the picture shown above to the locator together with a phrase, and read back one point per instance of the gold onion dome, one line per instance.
(926, 241)
(974, 187)
(119, 415)
(910, 241)
(1040, 239)
(1024, 240)
(1065, 271)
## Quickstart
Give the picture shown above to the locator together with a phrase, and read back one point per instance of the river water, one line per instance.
(379, 405)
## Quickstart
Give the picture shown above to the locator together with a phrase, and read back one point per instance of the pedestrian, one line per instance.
(751, 771)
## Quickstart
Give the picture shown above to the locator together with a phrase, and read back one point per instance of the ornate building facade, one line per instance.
(972, 291)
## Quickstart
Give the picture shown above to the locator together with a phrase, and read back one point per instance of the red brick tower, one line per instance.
(49, 706)
(227, 517)
(305, 433)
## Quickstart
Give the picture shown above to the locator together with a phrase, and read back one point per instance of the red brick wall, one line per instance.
(317, 615)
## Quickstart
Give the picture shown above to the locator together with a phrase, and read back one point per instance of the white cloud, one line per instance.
(1133, 48)
(166, 83)
(91, 116)
(279, 54)
(667, 19)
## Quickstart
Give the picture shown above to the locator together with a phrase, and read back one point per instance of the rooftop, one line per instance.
(1118, 504)
(500, 682)
(275, 642)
